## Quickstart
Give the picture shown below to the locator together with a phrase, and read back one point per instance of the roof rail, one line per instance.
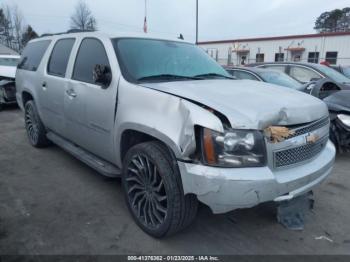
(71, 31)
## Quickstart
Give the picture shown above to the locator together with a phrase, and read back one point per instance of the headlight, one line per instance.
(234, 148)
(345, 119)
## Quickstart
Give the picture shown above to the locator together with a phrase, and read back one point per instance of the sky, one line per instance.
(218, 19)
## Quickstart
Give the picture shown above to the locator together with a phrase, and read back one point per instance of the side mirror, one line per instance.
(102, 75)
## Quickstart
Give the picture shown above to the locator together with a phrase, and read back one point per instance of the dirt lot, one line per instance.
(50, 203)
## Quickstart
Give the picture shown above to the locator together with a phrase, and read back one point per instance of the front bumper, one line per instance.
(226, 189)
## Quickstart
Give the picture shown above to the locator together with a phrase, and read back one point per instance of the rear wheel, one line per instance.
(35, 128)
(153, 191)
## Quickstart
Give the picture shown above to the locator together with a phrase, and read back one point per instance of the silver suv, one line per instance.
(172, 123)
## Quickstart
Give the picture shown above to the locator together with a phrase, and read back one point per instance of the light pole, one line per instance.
(196, 21)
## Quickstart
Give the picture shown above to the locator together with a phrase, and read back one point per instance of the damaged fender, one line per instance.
(173, 123)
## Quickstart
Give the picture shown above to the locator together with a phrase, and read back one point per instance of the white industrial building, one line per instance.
(331, 47)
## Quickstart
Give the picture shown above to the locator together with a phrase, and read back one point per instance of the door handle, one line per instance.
(71, 93)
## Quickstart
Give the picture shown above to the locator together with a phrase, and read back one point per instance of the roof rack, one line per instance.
(71, 31)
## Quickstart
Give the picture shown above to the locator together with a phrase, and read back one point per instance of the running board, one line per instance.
(103, 167)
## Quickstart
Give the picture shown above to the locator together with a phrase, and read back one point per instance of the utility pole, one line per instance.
(196, 21)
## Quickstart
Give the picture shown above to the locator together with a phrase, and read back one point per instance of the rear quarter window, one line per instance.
(33, 54)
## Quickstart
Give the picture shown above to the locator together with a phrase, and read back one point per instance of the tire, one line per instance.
(36, 130)
(156, 199)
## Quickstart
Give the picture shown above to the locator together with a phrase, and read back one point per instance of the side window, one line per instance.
(331, 57)
(60, 56)
(33, 54)
(260, 58)
(313, 57)
(280, 68)
(90, 54)
(302, 74)
(279, 57)
(243, 75)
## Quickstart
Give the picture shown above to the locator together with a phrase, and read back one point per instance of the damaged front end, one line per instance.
(340, 132)
(294, 160)
(7, 92)
(339, 108)
(238, 147)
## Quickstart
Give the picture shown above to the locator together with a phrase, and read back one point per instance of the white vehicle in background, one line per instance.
(8, 66)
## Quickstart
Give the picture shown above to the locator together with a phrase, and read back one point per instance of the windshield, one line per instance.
(332, 74)
(279, 78)
(346, 71)
(160, 60)
(4, 61)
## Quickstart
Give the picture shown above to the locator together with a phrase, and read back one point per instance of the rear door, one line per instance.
(89, 107)
(54, 84)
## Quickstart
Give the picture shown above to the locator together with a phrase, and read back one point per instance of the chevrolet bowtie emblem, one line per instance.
(312, 138)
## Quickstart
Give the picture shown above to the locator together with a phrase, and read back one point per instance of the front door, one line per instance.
(90, 108)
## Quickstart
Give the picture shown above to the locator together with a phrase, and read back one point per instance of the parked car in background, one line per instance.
(345, 70)
(8, 66)
(306, 72)
(265, 75)
(337, 100)
(172, 123)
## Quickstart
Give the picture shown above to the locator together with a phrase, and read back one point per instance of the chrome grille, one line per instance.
(310, 127)
(299, 154)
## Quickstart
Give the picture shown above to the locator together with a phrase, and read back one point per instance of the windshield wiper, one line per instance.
(214, 75)
(168, 77)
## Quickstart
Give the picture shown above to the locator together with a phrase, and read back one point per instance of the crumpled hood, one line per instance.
(8, 71)
(249, 104)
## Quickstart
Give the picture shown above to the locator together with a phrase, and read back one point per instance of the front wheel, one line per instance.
(153, 191)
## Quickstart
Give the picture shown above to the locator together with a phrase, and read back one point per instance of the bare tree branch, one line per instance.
(7, 28)
(12, 27)
(83, 18)
(18, 26)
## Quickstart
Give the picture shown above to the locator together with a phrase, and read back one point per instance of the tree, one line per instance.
(333, 21)
(13, 29)
(6, 26)
(28, 35)
(83, 18)
(18, 27)
(344, 21)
